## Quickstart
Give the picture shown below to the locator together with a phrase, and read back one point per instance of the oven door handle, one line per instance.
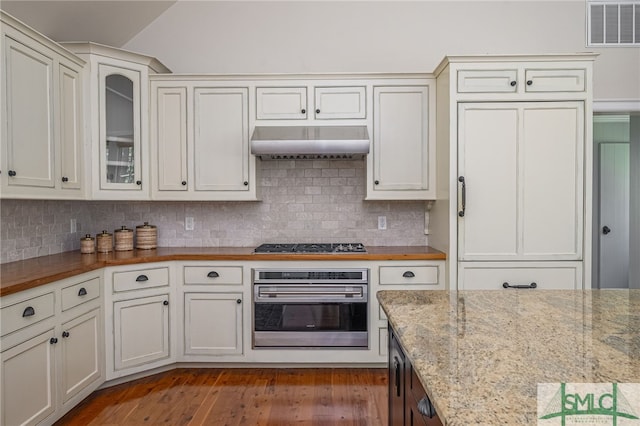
(303, 293)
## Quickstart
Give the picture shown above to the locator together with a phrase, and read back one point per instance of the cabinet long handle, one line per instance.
(464, 196)
(142, 278)
(28, 312)
(507, 285)
(396, 365)
(213, 274)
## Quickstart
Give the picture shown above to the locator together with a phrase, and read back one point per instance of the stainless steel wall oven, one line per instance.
(310, 308)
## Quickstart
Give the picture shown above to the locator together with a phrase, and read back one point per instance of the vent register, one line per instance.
(613, 23)
(310, 142)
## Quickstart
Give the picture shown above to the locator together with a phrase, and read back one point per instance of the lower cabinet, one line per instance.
(212, 323)
(53, 353)
(141, 331)
(408, 402)
(520, 275)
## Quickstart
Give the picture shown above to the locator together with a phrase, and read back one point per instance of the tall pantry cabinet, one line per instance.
(514, 185)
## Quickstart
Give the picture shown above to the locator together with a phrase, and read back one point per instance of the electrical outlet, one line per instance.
(189, 223)
(73, 226)
(382, 222)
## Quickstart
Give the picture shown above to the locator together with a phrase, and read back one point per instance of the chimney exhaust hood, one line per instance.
(310, 142)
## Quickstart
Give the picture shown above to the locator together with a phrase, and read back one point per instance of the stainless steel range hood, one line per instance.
(310, 142)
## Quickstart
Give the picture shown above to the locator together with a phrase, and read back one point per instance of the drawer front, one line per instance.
(222, 275)
(281, 103)
(340, 103)
(24, 314)
(140, 279)
(487, 81)
(409, 275)
(545, 277)
(80, 293)
(554, 80)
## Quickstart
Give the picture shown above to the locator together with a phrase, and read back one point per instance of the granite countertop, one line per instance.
(481, 354)
(30, 273)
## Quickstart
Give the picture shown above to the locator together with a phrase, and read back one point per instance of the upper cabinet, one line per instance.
(118, 99)
(42, 139)
(402, 162)
(200, 140)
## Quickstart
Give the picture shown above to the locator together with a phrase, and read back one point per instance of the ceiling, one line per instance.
(113, 23)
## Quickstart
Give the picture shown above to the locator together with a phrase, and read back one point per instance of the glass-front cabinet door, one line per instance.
(120, 162)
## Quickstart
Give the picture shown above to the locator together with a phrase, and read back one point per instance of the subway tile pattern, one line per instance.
(302, 201)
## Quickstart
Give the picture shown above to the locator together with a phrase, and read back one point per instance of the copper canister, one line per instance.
(104, 242)
(146, 236)
(124, 239)
(87, 244)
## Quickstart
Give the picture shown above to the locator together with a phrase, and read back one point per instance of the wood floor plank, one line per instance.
(241, 397)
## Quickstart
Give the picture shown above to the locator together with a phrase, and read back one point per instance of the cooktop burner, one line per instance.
(311, 248)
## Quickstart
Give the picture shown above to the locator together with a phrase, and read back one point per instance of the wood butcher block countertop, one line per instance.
(481, 354)
(30, 273)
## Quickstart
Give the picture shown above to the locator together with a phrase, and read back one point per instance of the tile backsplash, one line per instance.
(302, 201)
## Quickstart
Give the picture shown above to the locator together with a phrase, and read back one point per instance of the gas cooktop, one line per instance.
(311, 248)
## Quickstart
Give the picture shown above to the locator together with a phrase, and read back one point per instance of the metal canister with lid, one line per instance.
(104, 242)
(146, 236)
(123, 238)
(87, 244)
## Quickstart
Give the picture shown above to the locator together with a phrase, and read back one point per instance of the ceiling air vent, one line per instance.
(612, 23)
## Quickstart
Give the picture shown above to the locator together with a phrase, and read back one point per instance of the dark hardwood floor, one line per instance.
(243, 396)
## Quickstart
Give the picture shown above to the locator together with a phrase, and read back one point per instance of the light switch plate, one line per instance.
(382, 222)
(189, 223)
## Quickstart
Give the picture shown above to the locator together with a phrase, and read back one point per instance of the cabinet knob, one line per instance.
(376, 182)
(12, 173)
(513, 83)
(606, 230)
(53, 340)
(245, 183)
(318, 111)
(529, 82)
(138, 182)
(28, 312)
(303, 111)
(65, 179)
(184, 183)
(65, 334)
(238, 301)
(165, 303)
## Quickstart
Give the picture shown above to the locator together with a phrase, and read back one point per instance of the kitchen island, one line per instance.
(481, 354)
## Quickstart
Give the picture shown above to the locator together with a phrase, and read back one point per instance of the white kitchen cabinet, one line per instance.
(340, 103)
(401, 165)
(522, 166)
(213, 323)
(514, 142)
(140, 318)
(141, 331)
(200, 148)
(52, 349)
(41, 106)
(281, 103)
(117, 107)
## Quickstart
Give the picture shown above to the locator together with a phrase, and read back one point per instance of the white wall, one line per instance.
(371, 36)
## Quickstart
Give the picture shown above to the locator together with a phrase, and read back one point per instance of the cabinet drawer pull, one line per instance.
(408, 274)
(213, 274)
(507, 285)
(82, 291)
(142, 278)
(28, 312)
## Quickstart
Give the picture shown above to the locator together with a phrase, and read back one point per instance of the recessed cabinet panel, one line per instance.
(120, 148)
(557, 80)
(221, 140)
(340, 103)
(488, 81)
(281, 103)
(212, 323)
(30, 119)
(171, 138)
(71, 166)
(497, 276)
(28, 377)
